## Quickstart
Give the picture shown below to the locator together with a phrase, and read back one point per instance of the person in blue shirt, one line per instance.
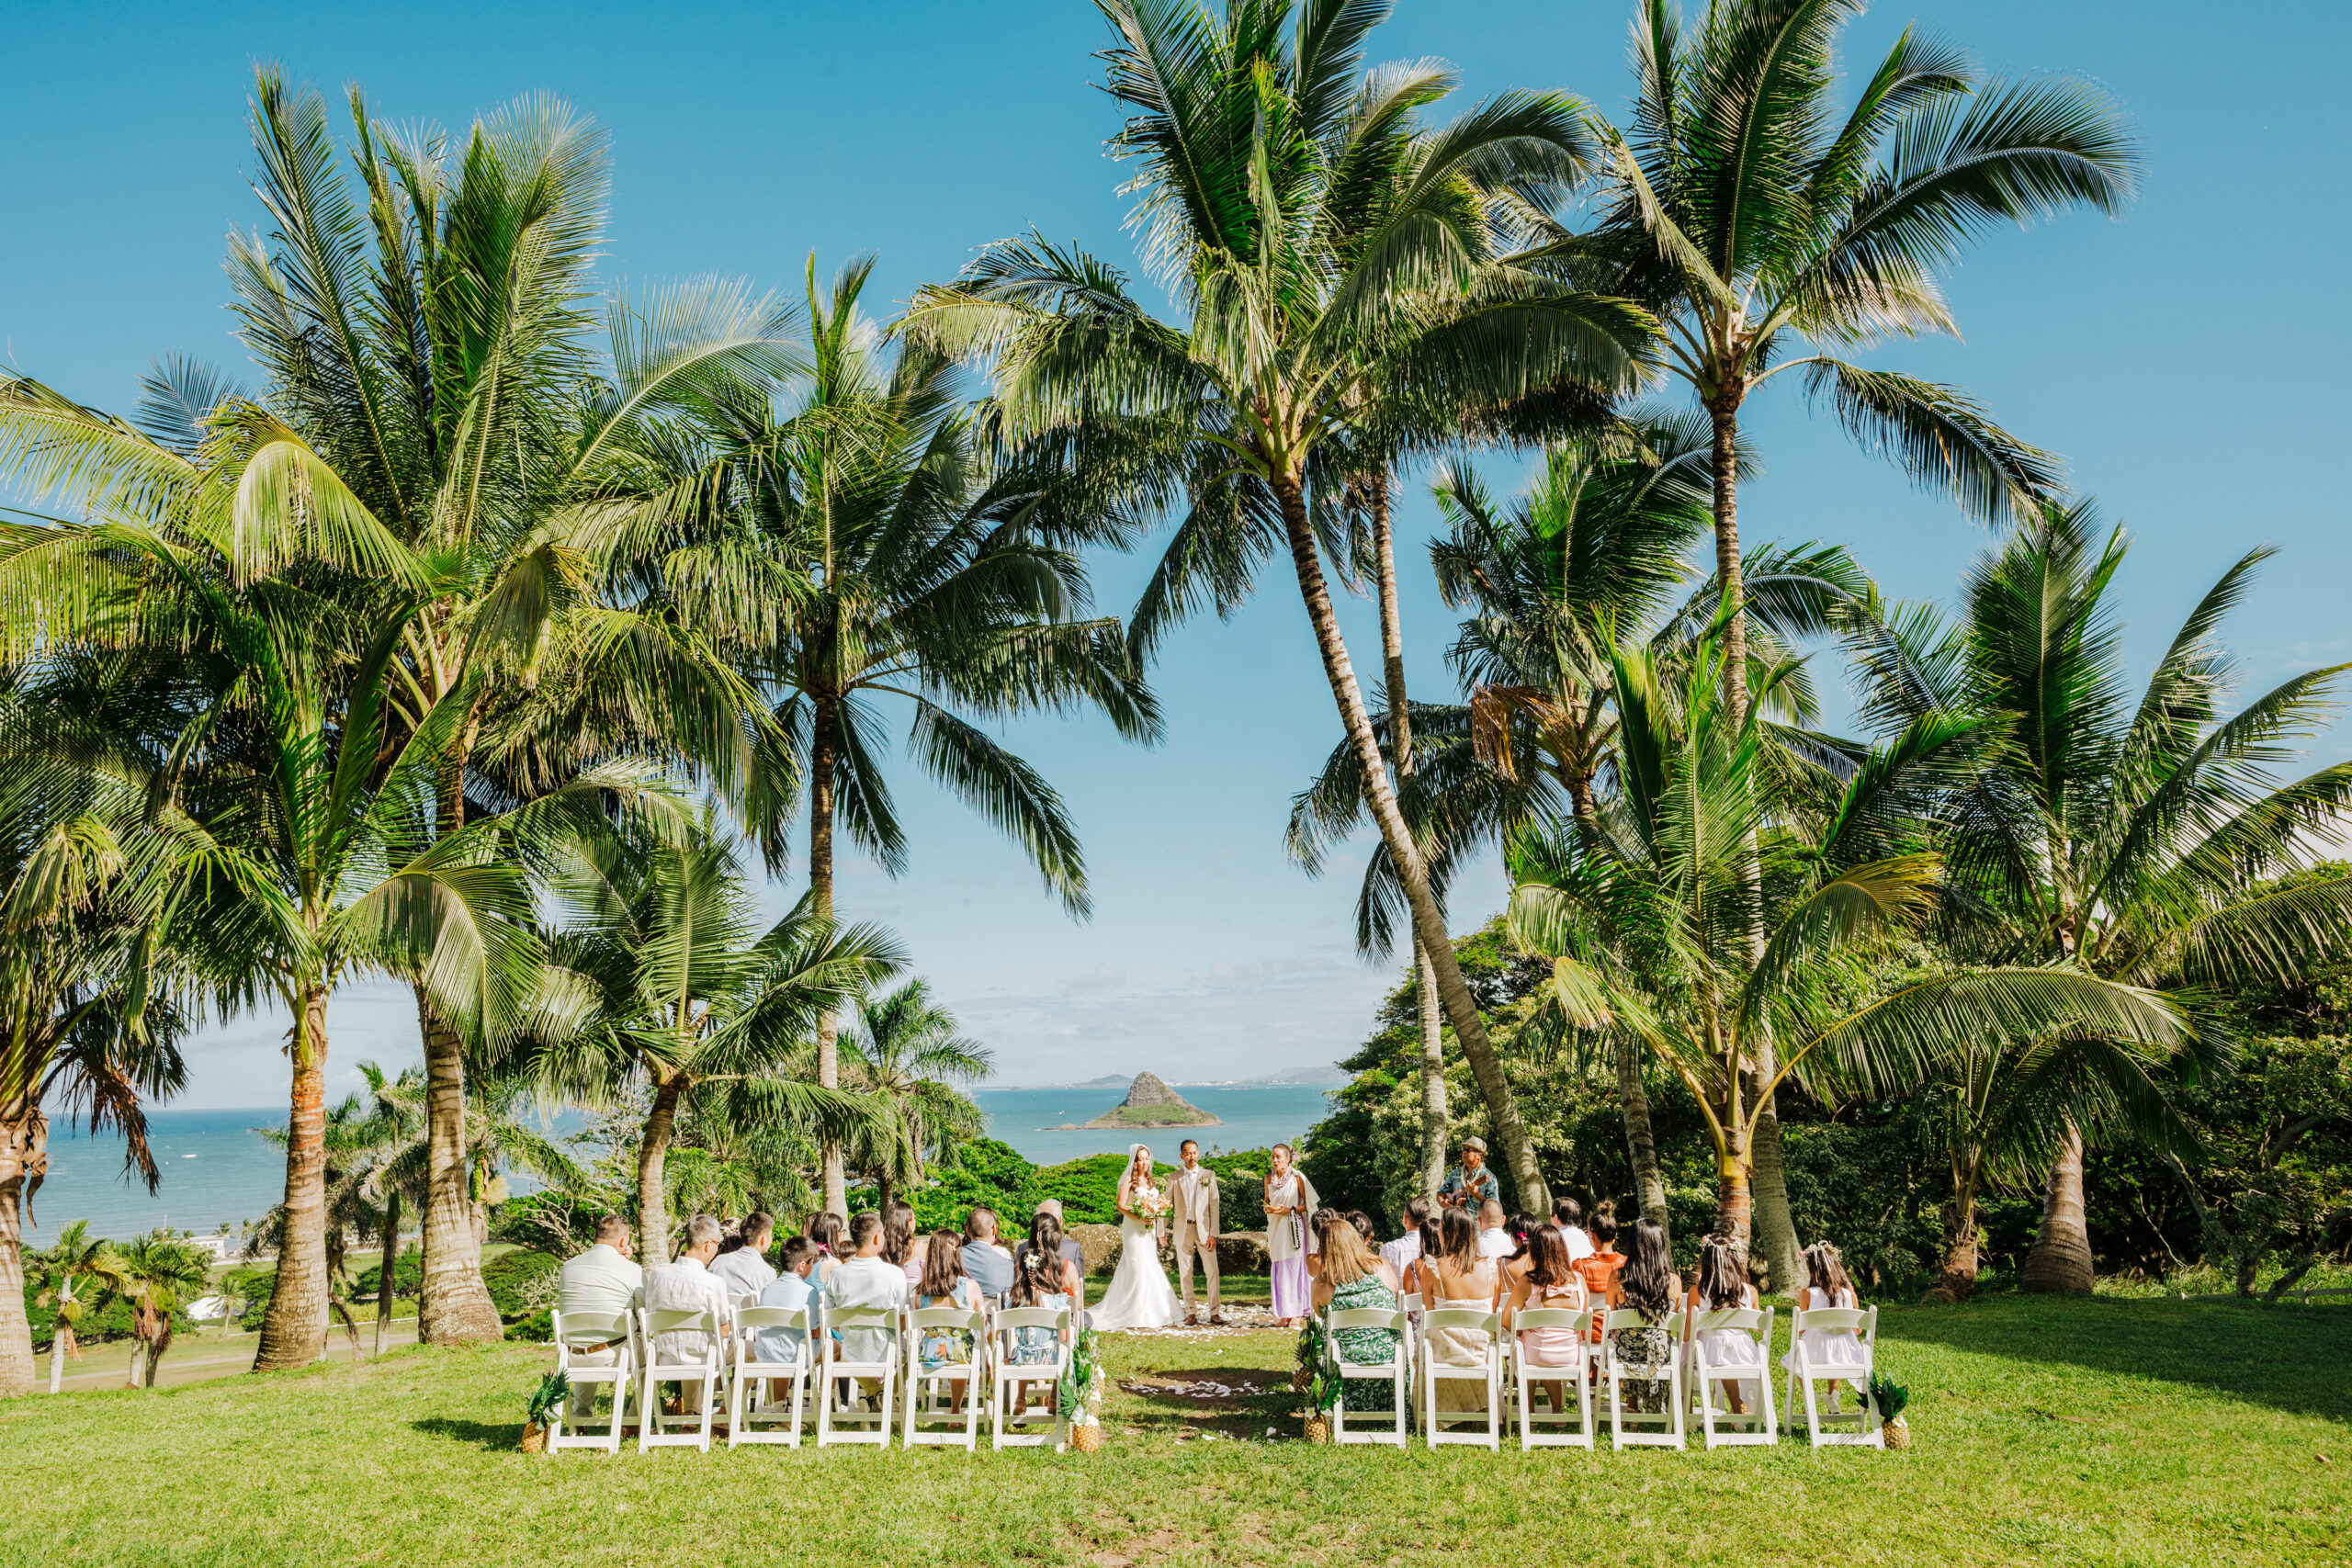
(1471, 1184)
(792, 1291)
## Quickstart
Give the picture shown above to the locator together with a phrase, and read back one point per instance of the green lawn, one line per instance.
(2098, 1431)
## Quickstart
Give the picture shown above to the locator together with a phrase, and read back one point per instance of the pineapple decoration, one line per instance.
(1082, 1391)
(1888, 1399)
(539, 1419)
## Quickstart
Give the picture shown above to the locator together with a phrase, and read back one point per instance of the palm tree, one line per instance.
(1759, 223)
(878, 543)
(75, 1262)
(661, 977)
(2128, 839)
(907, 1052)
(1648, 919)
(429, 333)
(84, 1023)
(153, 1274)
(1299, 305)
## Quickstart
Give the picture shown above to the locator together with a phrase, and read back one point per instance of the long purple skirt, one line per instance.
(1294, 1296)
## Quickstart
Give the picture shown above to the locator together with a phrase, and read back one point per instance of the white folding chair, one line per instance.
(938, 1383)
(1011, 1384)
(1823, 1427)
(580, 1334)
(1630, 1428)
(1397, 1371)
(755, 1366)
(834, 1409)
(1544, 1428)
(1709, 1369)
(1486, 1372)
(703, 1370)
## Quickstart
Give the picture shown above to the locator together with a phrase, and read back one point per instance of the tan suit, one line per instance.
(1195, 1211)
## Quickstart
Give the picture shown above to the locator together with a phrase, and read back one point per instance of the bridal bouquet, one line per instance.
(1149, 1204)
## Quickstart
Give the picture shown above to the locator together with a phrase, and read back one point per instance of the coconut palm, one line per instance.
(2127, 837)
(424, 320)
(1250, 416)
(876, 546)
(660, 976)
(394, 1111)
(154, 1274)
(1647, 919)
(907, 1052)
(68, 1272)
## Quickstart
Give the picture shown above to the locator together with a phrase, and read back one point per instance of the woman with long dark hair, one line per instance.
(1646, 1355)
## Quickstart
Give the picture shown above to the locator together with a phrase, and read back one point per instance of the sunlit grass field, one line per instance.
(2122, 1431)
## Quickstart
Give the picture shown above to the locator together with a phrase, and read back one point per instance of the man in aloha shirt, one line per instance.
(1471, 1183)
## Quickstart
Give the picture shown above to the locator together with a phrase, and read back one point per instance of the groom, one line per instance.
(1193, 1202)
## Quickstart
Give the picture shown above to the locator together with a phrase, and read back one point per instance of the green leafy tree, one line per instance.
(156, 1275)
(907, 1052)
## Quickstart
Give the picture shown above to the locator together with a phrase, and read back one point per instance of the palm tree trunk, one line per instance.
(1723, 411)
(1641, 1144)
(294, 1329)
(1735, 1201)
(1461, 1010)
(882, 1192)
(24, 1156)
(821, 755)
(652, 1199)
(1774, 1255)
(161, 1342)
(454, 1305)
(2061, 1256)
(1956, 1275)
(1435, 1122)
(390, 1267)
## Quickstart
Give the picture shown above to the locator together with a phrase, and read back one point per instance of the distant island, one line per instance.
(1151, 1103)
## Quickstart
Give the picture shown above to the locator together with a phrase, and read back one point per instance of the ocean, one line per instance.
(217, 1170)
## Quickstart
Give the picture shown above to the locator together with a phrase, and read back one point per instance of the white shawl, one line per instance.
(1287, 1235)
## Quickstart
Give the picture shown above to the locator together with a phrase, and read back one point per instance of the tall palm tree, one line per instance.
(1248, 416)
(1646, 920)
(2128, 837)
(660, 976)
(878, 543)
(907, 1052)
(423, 319)
(1769, 232)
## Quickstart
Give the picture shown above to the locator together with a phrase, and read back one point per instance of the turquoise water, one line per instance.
(216, 1170)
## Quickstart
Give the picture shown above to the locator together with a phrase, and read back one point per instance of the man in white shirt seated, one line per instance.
(599, 1282)
(686, 1285)
(865, 1280)
(1567, 1218)
(1494, 1241)
(741, 1264)
(1402, 1253)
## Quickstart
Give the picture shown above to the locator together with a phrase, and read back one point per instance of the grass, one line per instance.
(2100, 1431)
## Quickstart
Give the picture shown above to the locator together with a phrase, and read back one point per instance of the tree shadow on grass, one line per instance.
(506, 1437)
(2295, 1358)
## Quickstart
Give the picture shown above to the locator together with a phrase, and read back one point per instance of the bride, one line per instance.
(1140, 1295)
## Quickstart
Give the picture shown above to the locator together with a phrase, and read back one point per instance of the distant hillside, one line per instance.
(1151, 1103)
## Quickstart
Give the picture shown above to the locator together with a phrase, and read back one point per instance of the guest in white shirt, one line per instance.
(599, 1282)
(741, 1265)
(1567, 1218)
(865, 1280)
(686, 1285)
(1401, 1254)
(1493, 1240)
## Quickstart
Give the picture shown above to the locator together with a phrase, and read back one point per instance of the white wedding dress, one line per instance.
(1140, 1295)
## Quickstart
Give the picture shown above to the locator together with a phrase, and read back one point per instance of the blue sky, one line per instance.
(2186, 361)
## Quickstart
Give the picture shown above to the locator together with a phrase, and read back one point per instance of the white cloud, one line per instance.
(1102, 977)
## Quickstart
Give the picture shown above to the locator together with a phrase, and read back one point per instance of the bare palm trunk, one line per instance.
(1956, 1275)
(652, 1198)
(1735, 1203)
(1774, 1255)
(882, 1193)
(454, 1305)
(1723, 410)
(1436, 1119)
(159, 1342)
(1641, 1144)
(24, 1157)
(1461, 1010)
(822, 754)
(2061, 1257)
(390, 1267)
(294, 1328)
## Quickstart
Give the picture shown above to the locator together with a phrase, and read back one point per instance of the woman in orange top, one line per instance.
(1599, 1270)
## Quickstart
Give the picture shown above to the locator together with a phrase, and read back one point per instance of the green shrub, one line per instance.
(408, 1276)
(986, 1172)
(1088, 1189)
(512, 1277)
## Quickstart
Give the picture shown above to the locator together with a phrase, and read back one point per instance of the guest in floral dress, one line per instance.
(1646, 1355)
(946, 1285)
(1356, 1278)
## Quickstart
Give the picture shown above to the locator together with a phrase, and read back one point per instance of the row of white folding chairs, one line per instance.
(1698, 1373)
(1020, 1395)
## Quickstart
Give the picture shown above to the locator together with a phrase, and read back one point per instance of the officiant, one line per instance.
(1290, 1198)
(1195, 1208)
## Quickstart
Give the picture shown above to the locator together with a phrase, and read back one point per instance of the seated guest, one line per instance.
(1042, 1277)
(1401, 1254)
(1520, 1228)
(825, 1228)
(987, 1263)
(1567, 1218)
(685, 1284)
(1353, 1278)
(1494, 1239)
(1721, 1285)
(1049, 1216)
(1600, 1267)
(1456, 1276)
(944, 1285)
(1646, 1355)
(793, 1291)
(1826, 1285)
(1362, 1221)
(865, 1279)
(898, 1240)
(743, 1268)
(1548, 1282)
(599, 1282)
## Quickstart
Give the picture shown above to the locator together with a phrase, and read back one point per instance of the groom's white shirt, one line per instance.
(1195, 1198)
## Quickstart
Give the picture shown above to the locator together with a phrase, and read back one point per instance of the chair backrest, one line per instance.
(1410, 1301)
(1830, 1320)
(884, 1318)
(1626, 1317)
(755, 1318)
(1367, 1317)
(945, 1317)
(1033, 1317)
(661, 1322)
(582, 1328)
(1550, 1318)
(1460, 1317)
(1748, 1319)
